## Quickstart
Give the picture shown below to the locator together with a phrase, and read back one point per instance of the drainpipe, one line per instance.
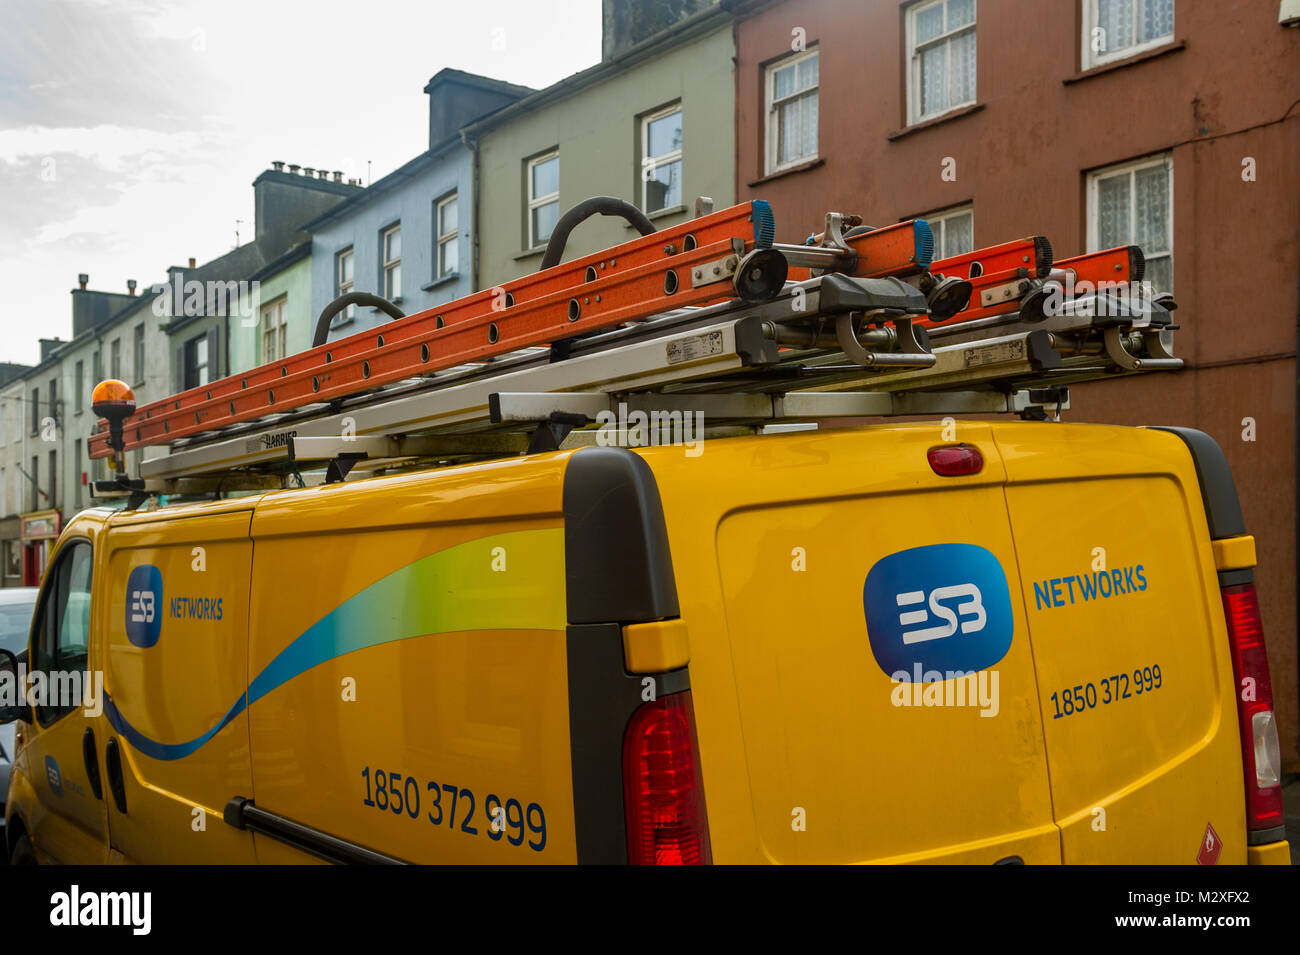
(472, 146)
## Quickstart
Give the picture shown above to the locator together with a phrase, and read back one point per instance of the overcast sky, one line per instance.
(131, 130)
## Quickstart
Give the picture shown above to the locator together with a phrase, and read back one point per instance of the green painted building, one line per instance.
(653, 123)
(280, 322)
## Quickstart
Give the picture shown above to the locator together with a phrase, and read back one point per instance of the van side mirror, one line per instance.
(11, 705)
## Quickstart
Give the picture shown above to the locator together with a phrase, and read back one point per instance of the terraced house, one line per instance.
(649, 124)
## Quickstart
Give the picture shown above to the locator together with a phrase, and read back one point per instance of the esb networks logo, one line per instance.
(937, 611)
(144, 600)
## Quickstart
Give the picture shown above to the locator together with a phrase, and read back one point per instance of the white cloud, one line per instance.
(159, 115)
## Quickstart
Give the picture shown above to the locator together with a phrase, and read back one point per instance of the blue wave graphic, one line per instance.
(394, 608)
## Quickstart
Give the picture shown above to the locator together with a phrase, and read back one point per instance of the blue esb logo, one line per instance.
(943, 607)
(144, 604)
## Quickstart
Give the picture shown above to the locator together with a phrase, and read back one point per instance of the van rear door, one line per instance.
(1129, 643)
(845, 561)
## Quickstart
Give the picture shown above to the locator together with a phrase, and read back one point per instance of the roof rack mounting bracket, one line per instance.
(550, 434)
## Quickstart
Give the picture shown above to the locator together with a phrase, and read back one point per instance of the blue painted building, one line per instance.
(409, 236)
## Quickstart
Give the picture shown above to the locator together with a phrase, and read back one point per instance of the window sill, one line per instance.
(788, 171)
(939, 120)
(1133, 60)
(529, 253)
(391, 301)
(658, 214)
(445, 280)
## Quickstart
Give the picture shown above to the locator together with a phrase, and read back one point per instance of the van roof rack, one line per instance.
(709, 318)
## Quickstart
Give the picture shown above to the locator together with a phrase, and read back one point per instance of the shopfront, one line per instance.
(40, 529)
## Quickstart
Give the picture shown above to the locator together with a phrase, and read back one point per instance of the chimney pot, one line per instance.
(82, 279)
(191, 262)
(130, 286)
(277, 166)
(308, 171)
(338, 175)
(293, 168)
(322, 173)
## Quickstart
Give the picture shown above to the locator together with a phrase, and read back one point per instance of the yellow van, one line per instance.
(1030, 642)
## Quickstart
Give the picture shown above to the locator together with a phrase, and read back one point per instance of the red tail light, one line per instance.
(954, 460)
(662, 788)
(1261, 754)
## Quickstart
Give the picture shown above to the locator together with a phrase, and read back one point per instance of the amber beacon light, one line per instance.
(114, 401)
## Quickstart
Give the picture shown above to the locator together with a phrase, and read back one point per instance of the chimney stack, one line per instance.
(82, 279)
(130, 286)
(191, 262)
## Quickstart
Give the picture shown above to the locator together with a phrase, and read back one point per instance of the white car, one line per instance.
(16, 607)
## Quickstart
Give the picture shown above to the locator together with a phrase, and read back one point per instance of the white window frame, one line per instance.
(770, 103)
(650, 163)
(1092, 19)
(202, 370)
(444, 238)
(137, 347)
(914, 63)
(275, 331)
(1135, 166)
(536, 202)
(344, 286)
(390, 266)
(937, 222)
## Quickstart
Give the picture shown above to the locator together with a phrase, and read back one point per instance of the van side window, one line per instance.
(62, 641)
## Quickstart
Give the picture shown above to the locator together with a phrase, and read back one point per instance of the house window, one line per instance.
(36, 484)
(448, 237)
(139, 353)
(343, 284)
(1115, 29)
(274, 330)
(543, 197)
(196, 362)
(54, 479)
(391, 243)
(96, 367)
(661, 159)
(79, 384)
(791, 90)
(954, 231)
(76, 475)
(941, 57)
(1133, 204)
(115, 358)
(36, 411)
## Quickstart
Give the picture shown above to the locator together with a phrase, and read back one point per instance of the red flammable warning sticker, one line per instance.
(1210, 847)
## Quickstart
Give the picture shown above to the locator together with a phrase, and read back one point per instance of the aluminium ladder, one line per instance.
(710, 317)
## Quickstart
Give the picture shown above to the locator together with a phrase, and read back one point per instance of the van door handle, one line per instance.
(113, 762)
(92, 762)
